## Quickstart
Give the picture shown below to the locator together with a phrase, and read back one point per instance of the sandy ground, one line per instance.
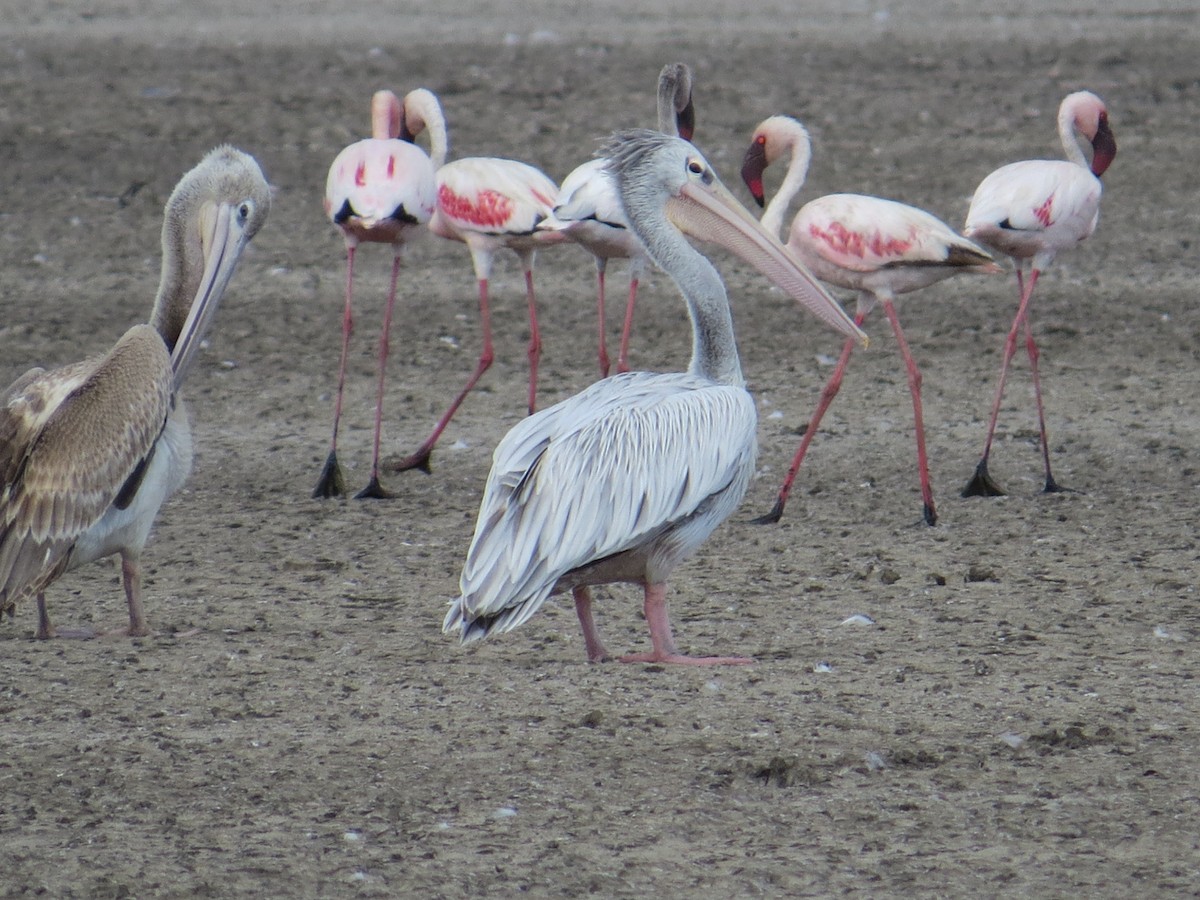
(1021, 719)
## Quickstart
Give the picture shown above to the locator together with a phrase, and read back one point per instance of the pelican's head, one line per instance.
(211, 216)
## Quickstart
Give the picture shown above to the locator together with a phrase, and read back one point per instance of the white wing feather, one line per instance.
(623, 464)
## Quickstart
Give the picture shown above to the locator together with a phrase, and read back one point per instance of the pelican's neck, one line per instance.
(182, 269)
(793, 138)
(714, 350)
(1070, 137)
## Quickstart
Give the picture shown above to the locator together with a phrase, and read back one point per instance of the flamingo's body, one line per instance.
(1030, 211)
(590, 211)
(90, 451)
(877, 247)
(623, 481)
(381, 190)
(491, 204)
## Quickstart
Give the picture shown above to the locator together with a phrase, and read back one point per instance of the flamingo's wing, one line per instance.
(865, 234)
(590, 193)
(1036, 196)
(379, 181)
(494, 196)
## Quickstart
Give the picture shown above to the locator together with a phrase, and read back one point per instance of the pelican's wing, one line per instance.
(501, 196)
(601, 473)
(865, 234)
(73, 441)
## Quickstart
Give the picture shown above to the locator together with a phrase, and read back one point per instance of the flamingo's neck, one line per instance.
(1070, 137)
(797, 142)
(423, 111)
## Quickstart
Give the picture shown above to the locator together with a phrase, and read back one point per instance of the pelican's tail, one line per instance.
(480, 626)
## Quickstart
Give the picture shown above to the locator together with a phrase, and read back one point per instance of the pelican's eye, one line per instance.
(695, 167)
(244, 212)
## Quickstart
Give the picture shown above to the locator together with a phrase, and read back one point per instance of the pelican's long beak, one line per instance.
(223, 236)
(709, 212)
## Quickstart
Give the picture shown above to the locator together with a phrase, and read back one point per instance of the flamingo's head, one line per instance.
(754, 163)
(1090, 118)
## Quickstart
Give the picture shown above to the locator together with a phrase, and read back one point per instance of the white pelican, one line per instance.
(877, 247)
(89, 451)
(1030, 211)
(381, 190)
(623, 481)
(589, 210)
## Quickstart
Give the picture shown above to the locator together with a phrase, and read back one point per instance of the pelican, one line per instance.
(589, 210)
(89, 451)
(626, 479)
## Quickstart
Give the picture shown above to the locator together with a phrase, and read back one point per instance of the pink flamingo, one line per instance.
(381, 190)
(1030, 211)
(590, 211)
(490, 204)
(877, 247)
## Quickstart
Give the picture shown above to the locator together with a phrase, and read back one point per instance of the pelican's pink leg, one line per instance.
(45, 630)
(827, 394)
(659, 621)
(331, 483)
(374, 490)
(591, 635)
(535, 337)
(420, 458)
(981, 483)
(914, 387)
(601, 266)
(131, 576)
(1052, 486)
(623, 356)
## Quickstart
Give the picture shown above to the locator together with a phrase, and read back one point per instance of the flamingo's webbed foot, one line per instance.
(374, 491)
(772, 517)
(331, 483)
(1053, 487)
(418, 460)
(982, 484)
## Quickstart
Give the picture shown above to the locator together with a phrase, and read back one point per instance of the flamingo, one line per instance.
(1030, 211)
(90, 451)
(626, 479)
(589, 211)
(877, 247)
(381, 190)
(489, 204)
